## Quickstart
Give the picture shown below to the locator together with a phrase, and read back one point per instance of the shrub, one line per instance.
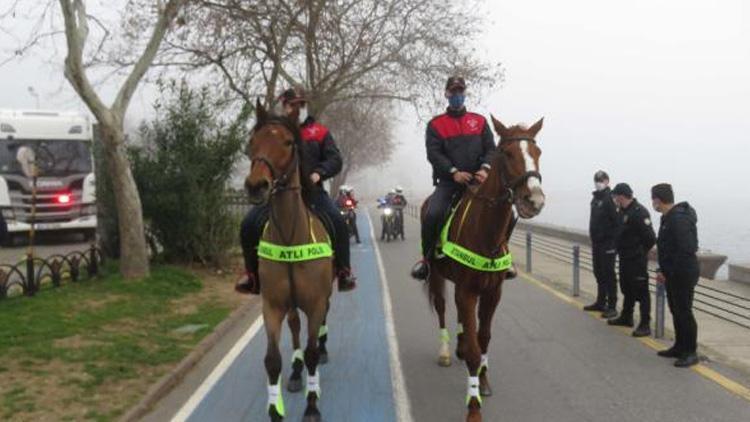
(182, 164)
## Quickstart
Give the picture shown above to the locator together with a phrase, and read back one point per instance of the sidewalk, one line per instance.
(718, 339)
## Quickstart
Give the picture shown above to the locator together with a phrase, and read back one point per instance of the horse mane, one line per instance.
(304, 172)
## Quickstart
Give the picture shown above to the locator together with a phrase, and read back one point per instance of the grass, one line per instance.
(78, 352)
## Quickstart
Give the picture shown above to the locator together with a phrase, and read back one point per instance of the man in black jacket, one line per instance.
(679, 270)
(458, 147)
(323, 158)
(603, 226)
(635, 239)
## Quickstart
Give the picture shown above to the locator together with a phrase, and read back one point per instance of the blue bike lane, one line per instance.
(356, 383)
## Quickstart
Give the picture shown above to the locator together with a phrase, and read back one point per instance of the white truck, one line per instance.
(60, 145)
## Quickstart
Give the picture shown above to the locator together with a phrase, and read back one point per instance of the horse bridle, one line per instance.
(280, 183)
(509, 194)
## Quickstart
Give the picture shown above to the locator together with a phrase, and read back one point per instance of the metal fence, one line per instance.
(27, 276)
(724, 305)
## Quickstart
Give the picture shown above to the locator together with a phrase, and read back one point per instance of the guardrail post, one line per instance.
(528, 252)
(576, 271)
(660, 299)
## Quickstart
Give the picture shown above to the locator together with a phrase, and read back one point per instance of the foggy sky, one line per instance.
(650, 90)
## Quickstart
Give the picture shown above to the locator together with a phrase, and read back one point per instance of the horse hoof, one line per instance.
(485, 390)
(444, 361)
(275, 417)
(312, 417)
(323, 359)
(294, 385)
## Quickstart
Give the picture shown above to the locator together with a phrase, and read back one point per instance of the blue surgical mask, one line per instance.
(457, 101)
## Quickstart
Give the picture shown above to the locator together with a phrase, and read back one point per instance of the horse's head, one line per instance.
(273, 152)
(517, 162)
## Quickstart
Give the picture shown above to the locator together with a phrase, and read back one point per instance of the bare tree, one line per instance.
(132, 53)
(364, 133)
(339, 50)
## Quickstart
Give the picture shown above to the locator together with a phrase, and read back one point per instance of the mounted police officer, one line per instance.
(635, 239)
(678, 270)
(459, 144)
(323, 159)
(603, 227)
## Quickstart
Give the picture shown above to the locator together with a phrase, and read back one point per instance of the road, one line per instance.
(47, 244)
(548, 361)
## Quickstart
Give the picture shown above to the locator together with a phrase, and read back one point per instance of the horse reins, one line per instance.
(509, 188)
(281, 184)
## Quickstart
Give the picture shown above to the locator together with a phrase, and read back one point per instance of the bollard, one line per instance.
(660, 299)
(528, 252)
(576, 271)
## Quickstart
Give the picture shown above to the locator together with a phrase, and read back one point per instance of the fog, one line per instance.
(649, 90)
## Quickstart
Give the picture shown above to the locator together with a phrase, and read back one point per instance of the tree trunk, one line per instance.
(134, 261)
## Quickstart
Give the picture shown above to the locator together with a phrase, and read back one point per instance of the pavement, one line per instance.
(723, 316)
(548, 361)
(47, 244)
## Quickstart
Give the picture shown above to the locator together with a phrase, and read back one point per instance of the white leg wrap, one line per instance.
(313, 384)
(274, 395)
(473, 390)
(459, 329)
(298, 355)
(445, 336)
(485, 362)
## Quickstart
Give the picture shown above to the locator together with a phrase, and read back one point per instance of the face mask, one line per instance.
(303, 114)
(457, 101)
(600, 186)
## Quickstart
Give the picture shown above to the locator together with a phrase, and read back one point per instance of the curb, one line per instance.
(169, 381)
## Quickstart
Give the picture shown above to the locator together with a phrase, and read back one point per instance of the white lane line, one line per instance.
(400, 395)
(208, 384)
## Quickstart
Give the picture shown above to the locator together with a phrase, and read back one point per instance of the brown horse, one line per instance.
(514, 179)
(276, 178)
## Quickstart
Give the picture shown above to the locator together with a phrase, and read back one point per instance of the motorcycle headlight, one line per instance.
(388, 211)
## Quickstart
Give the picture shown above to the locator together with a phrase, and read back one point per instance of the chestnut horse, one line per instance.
(293, 277)
(514, 179)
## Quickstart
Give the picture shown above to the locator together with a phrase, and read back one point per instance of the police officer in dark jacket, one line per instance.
(458, 144)
(603, 226)
(635, 239)
(679, 270)
(323, 159)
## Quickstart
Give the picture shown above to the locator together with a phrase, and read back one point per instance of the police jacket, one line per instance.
(604, 222)
(321, 154)
(458, 141)
(678, 240)
(636, 235)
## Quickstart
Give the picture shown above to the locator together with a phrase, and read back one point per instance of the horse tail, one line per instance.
(435, 288)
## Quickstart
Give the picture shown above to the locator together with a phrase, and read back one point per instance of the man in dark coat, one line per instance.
(603, 226)
(678, 270)
(458, 144)
(323, 158)
(634, 241)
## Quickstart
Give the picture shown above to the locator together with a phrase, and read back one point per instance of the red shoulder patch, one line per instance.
(314, 133)
(470, 124)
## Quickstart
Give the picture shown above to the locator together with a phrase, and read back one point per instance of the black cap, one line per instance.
(601, 176)
(623, 189)
(455, 82)
(663, 192)
(292, 96)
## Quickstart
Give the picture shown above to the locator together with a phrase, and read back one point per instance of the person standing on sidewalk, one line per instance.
(635, 239)
(603, 226)
(678, 270)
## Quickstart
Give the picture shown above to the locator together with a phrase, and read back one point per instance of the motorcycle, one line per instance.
(350, 217)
